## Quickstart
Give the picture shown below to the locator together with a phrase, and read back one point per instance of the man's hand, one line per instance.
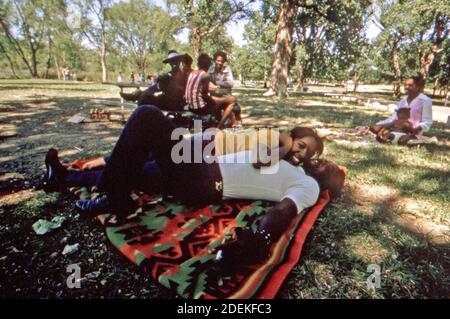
(284, 147)
(261, 148)
(241, 249)
(212, 87)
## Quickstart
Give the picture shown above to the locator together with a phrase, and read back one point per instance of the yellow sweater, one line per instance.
(227, 142)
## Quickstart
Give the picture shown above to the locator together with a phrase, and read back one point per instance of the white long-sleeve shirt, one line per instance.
(223, 78)
(242, 180)
(421, 112)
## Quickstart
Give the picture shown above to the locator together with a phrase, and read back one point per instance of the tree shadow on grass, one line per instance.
(411, 266)
(383, 167)
(344, 115)
(44, 125)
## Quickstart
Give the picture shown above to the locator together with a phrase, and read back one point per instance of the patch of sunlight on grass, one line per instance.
(38, 203)
(366, 248)
(16, 198)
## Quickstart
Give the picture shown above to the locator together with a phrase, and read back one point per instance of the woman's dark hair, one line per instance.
(222, 54)
(300, 132)
(204, 61)
(328, 175)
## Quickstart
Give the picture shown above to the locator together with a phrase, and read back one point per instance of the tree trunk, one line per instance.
(443, 88)
(396, 68)
(265, 78)
(16, 44)
(141, 67)
(283, 49)
(103, 63)
(426, 59)
(10, 62)
(196, 42)
(34, 72)
(435, 85)
(11, 66)
(58, 70)
(300, 78)
(49, 57)
(356, 81)
(441, 33)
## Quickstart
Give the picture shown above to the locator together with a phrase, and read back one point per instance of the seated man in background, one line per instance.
(169, 89)
(420, 107)
(200, 101)
(221, 81)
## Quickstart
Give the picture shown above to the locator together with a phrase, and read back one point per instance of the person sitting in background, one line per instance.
(221, 77)
(222, 82)
(420, 107)
(168, 91)
(151, 79)
(200, 101)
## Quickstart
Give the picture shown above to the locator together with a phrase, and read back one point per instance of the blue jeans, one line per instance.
(149, 131)
(149, 180)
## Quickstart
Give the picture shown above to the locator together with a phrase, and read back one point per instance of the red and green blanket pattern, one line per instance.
(173, 243)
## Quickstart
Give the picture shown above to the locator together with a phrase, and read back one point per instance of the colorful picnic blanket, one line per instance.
(173, 243)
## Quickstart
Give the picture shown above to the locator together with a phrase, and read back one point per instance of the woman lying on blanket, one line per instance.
(149, 131)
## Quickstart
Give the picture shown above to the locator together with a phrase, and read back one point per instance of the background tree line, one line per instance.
(286, 40)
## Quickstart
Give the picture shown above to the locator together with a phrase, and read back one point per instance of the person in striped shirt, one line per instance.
(200, 101)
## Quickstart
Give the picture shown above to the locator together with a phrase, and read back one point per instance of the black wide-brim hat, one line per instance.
(174, 57)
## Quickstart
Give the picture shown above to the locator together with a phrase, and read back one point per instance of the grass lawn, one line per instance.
(394, 212)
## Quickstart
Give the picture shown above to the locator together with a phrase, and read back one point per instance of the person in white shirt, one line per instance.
(420, 107)
(231, 176)
(222, 82)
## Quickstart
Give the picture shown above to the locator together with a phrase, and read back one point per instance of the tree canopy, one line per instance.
(284, 40)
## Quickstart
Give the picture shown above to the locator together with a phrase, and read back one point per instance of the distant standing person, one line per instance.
(222, 81)
(132, 78)
(120, 78)
(66, 73)
(151, 79)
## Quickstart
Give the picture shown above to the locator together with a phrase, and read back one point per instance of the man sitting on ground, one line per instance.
(420, 107)
(221, 81)
(168, 92)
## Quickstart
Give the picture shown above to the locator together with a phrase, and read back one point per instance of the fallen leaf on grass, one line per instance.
(43, 226)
